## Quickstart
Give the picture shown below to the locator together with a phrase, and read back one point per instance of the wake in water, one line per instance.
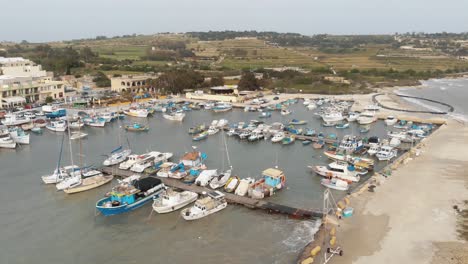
(301, 235)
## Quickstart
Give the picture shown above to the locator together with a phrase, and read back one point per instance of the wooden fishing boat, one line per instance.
(136, 127)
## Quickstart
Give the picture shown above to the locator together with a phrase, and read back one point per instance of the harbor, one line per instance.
(299, 205)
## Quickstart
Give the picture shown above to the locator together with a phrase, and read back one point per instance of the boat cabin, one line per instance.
(274, 177)
(193, 159)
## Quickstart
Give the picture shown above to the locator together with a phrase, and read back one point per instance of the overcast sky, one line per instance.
(45, 20)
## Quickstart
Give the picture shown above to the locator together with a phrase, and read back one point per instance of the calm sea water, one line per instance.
(41, 225)
(450, 91)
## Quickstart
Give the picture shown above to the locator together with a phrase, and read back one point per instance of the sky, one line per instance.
(50, 20)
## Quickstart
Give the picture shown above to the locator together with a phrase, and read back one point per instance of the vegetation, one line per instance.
(49, 100)
(248, 82)
(101, 80)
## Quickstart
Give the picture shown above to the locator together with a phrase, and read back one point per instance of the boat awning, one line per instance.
(13, 100)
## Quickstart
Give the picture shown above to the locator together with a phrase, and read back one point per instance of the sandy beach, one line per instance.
(410, 218)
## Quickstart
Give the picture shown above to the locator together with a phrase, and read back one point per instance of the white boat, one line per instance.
(175, 116)
(19, 136)
(12, 119)
(278, 137)
(373, 149)
(136, 112)
(222, 107)
(366, 118)
(165, 169)
(76, 125)
(170, 200)
(285, 112)
(213, 203)
(117, 156)
(107, 116)
(5, 140)
(306, 101)
(96, 123)
(145, 161)
(386, 153)
(132, 159)
(89, 183)
(29, 115)
(243, 187)
(60, 174)
(220, 180)
(395, 142)
(222, 123)
(340, 170)
(57, 126)
(213, 130)
(311, 106)
(205, 177)
(333, 117)
(352, 116)
(232, 184)
(335, 183)
(78, 135)
(373, 107)
(402, 136)
(391, 120)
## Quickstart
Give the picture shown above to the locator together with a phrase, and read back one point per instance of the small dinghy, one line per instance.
(136, 127)
(78, 135)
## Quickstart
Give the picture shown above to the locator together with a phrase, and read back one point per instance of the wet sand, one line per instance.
(410, 217)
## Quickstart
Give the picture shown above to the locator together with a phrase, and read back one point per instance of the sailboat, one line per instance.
(60, 173)
(117, 155)
(221, 179)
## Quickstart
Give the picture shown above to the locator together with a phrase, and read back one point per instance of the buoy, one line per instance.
(346, 200)
(333, 241)
(308, 260)
(333, 231)
(315, 251)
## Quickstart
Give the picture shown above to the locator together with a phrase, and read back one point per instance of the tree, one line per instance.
(217, 81)
(101, 80)
(49, 99)
(248, 82)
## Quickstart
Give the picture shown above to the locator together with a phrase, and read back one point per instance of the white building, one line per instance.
(22, 81)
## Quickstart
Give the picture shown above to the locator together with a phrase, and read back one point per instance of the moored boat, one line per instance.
(335, 184)
(214, 202)
(171, 200)
(89, 183)
(272, 180)
(137, 127)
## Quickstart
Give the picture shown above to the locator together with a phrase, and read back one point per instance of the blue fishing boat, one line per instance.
(306, 142)
(288, 140)
(200, 136)
(136, 127)
(265, 115)
(342, 126)
(128, 196)
(197, 129)
(294, 130)
(297, 122)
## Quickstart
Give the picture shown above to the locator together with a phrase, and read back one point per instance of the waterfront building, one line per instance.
(133, 83)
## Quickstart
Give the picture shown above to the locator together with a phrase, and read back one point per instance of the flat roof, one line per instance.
(272, 172)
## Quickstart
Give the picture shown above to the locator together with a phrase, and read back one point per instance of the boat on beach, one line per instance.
(171, 200)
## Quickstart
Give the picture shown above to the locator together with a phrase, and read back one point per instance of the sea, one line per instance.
(450, 91)
(42, 225)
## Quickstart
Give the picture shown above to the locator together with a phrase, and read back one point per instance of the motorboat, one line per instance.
(337, 169)
(96, 122)
(131, 159)
(200, 136)
(366, 118)
(19, 136)
(394, 142)
(265, 115)
(352, 116)
(351, 144)
(391, 120)
(278, 137)
(335, 184)
(297, 122)
(171, 200)
(76, 124)
(213, 130)
(231, 184)
(137, 127)
(145, 161)
(288, 140)
(272, 180)
(136, 112)
(386, 153)
(220, 180)
(126, 196)
(12, 119)
(117, 156)
(374, 148)
(212, 203)
(57, 126)
(244, 186)
(221, 107)
(373, 107)
(174, 116)
(205, 177)
(285, 112)
(333, 117)
(342, 126)
(311, 106)
(165, 169)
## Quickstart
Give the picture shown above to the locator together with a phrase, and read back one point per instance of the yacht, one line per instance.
(60, 174)
(136, 112)
(335, 183)
(117, 156)
(278, 137)
(145, 161)
(332, 117)
(386, 153)
(131, 159)
(340, 170)
(170, 200)
(214, 202)
(391, 120)
(205, 177)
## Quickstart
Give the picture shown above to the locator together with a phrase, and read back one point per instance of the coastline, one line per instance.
(410, 218)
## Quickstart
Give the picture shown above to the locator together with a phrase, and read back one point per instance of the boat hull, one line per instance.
(82, 188)
(202, 214)
(109, 211)
(171, 208)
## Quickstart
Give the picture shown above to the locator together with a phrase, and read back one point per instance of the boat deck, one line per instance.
(269, 207)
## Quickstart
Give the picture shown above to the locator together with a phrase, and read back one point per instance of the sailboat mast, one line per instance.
(69, 143)
(60, 153)
(227, 151)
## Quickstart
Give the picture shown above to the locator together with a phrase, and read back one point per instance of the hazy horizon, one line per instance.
(53, 20)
